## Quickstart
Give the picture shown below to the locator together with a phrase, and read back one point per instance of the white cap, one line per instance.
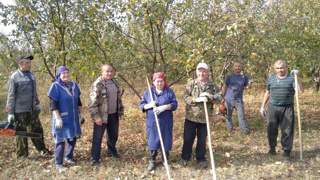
(203, 65)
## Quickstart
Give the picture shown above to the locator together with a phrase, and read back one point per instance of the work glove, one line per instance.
(206, 94)
(150, 105)
(38, 108)
(293, 72)
(82, 120)
(263, 111)
(201, 99)
(59, 123)
(11, 118)
(160, 109)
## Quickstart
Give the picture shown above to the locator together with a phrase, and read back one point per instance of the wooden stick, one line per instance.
(209, 139)
(299, 119)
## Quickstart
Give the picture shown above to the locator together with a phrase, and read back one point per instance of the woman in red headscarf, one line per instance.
(164, 103)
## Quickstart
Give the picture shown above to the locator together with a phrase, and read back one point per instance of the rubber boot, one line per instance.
(152, 160)
(152, 165)
(167, 156)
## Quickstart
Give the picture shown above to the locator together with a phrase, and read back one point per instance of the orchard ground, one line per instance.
(236, 155)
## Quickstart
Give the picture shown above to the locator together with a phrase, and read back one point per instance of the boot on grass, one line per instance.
(286, 155)
(272, 151)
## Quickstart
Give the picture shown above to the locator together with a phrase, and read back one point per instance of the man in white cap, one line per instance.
(197, 92)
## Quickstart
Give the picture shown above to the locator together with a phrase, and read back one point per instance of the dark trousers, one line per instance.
(153, 155)
(59, 150)
(30, 121)
(112, 137)
(283, 116)
(191, 129)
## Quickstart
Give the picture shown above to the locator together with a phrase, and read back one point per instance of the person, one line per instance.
(23, 106)
(65, 104)
(163, 104)
(280, 94)
(106, 108)
(232, 91)
(197, 92)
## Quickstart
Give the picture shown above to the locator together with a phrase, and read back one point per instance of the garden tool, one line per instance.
(8, 129)
(209, 139)
(299, 119)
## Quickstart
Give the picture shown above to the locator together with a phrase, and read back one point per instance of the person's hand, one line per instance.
(38, 108)
(160, 109)
(82, 120)
(121, 115)
(59, 123)
(98, 121)
(206, 94)
(294, 72)
(11, 118)
(201, 99)
(150, 105)
(263, 111)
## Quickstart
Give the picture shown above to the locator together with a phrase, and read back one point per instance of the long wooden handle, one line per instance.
(299, 119)
(209, 140)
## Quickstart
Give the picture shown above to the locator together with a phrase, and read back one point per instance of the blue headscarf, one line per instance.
(60, 70)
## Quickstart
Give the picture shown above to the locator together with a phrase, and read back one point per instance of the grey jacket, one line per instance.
(98, 102)
(21, 98)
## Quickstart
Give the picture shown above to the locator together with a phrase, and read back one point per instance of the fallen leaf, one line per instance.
(227, 154)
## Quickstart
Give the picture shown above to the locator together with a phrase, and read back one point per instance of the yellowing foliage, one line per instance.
(253, 55)
(251, 40)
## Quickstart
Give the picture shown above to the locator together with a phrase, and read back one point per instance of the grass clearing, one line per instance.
(237, 155)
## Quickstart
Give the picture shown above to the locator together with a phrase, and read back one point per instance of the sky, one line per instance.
(6, 29)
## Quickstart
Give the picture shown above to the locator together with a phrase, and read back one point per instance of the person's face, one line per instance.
(159, 83)
(280, 69)
(202, 74)
(237, 68)
(25, 64)
(65, 76)
(107, 73)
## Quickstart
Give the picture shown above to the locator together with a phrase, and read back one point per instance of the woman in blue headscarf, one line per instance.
(65, 105)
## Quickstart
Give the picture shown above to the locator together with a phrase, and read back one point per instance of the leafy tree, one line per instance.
(49, 28)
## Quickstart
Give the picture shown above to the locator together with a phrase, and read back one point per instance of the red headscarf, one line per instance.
(160, 75)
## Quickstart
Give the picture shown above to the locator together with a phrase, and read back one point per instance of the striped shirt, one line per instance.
(281, 90)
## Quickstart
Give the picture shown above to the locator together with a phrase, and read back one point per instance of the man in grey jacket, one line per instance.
(106, 108)
(23, 106)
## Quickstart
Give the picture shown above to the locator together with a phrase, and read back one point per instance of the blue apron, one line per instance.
(68, 109)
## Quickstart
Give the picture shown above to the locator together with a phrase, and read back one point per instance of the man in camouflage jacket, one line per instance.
(197, 92)
(106, 108)
(23, 106)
